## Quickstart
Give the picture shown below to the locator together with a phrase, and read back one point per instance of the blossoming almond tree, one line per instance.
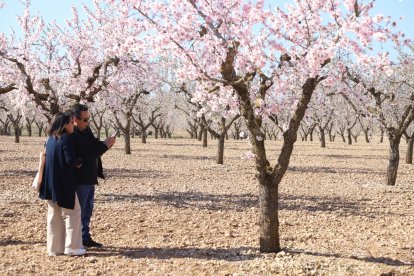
(240, 47)
(124, 93)
(389, 98)
(49, 64)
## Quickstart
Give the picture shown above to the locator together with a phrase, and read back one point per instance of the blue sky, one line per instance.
(60, 10)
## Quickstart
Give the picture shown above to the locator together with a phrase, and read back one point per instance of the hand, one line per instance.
(109, 142)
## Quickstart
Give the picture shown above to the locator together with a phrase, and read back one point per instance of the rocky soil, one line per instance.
(168, 209)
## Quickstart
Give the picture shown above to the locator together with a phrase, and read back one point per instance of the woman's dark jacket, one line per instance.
(59, 178)
(89, 149)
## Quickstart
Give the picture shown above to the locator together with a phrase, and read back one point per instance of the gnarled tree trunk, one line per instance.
(323, 140)
(409, 154)
(220, 149)
(393, 160)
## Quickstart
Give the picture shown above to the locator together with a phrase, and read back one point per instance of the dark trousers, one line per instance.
(86, 195)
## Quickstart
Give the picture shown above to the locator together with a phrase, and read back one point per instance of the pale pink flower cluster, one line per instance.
(200, 35)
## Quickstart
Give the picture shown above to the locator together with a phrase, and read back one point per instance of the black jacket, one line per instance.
(89, 149)
(59, 181)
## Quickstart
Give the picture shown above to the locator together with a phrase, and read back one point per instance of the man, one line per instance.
(89, 149)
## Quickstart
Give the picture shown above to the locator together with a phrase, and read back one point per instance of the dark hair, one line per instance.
(57, 125)
(77, 109)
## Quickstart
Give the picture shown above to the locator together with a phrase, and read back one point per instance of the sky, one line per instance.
(60, 10)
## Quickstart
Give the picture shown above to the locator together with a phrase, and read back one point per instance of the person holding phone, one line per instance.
(89, 149)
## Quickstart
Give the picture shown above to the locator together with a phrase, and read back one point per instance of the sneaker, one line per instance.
(91, 243)
(75, 252)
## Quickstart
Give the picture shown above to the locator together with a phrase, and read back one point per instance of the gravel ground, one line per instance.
(168, 209)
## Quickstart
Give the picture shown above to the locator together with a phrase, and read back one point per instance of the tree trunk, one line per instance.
(269, 217)
(39, 131)
(200, 134)
(127, 140)
(205, 137)
(29, 129)
(393, 160)
(382, 136)
(98, 132)
(220, 149)
(323, 141)
(366, 136)
(144, 136)
(348, 131)
(16, 134)
(343, 137)
(311, 136)
(156, 133)
(409, 154)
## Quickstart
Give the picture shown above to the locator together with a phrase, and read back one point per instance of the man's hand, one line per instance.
(109, 142)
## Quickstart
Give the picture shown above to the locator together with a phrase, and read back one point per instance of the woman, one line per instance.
(64, 234)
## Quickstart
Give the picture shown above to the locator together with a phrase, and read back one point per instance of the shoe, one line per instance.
(75, 252)
(91, 243)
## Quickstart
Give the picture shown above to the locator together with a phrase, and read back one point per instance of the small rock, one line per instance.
(281, 254)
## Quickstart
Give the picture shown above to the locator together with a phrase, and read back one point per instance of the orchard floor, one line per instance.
(168, 209)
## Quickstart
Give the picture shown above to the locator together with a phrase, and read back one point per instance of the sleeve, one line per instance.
(99, 147)
(69, 151)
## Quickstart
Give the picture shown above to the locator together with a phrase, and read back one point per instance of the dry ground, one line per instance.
(168, 209)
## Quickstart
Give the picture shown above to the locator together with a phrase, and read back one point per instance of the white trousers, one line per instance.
(64, 232)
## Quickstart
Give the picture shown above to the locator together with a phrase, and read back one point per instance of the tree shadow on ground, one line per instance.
(183, 200)
(7, 242)
(242, 202)
(136, 151)
(340, 170)
(346, 156)
(186, 157)
(365, 207)
(378, 260)
(20, 158)
(9, 150)
(14, 173)
(121, 173)
(227, 254)
(183, 145)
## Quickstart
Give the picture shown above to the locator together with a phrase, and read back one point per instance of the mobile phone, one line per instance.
(115, 134)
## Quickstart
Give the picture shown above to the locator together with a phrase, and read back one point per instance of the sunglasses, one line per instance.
(85, 120)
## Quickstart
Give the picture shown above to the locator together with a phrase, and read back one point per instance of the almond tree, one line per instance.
(124, 93)
(307, 127)
(9, 104)
(322, 113)
(51, 65)
(144, 116)
(366, 123)
(389, 97)
(4, 123)
(261, 56)
(197, 120)
(97, 109)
